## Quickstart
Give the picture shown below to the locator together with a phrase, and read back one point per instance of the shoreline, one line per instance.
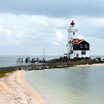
(99, 64)
(30, 90)
(13, 91)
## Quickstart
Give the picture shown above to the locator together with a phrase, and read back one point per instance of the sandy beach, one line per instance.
(13, 91)
(99, 64)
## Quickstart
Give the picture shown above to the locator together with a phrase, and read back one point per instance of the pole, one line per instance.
(43, 55)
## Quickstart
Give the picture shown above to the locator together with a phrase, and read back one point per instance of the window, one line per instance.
(81, 46)
(73, 33)
(83, 53)
(86, 46)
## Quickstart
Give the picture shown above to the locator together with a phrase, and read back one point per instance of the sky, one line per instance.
(28, 26)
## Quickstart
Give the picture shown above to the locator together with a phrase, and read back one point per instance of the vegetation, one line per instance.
(71, 62)
(3, 72)
(28, 66)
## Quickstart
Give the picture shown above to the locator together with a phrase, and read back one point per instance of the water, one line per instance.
(6, 61)
(75, 85)
(94, 56)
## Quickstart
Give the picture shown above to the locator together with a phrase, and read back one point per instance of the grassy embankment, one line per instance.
(4, 72)
(70, 62)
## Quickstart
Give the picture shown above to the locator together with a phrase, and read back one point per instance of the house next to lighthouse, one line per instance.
(76, 48)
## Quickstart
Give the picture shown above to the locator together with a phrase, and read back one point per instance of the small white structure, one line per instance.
(77, 48)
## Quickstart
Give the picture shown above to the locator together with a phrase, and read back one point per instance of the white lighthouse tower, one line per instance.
(72, 32)
(77, 48)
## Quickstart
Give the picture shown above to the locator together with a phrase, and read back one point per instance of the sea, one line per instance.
(73, 85)
(8, 61)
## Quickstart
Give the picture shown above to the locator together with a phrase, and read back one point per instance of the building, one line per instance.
(76, 48)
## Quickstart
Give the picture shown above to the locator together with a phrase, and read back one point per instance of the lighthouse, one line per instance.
(76, 48)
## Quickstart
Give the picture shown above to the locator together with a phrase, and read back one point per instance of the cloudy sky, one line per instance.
(28, 26)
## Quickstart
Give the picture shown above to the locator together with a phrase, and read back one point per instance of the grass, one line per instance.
(3, 72)
(56, 64)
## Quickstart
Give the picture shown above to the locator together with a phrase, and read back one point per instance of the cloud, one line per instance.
(63, 8)
(95, 45)
(79, 36)
(29, 34)
(21, 31)
(8, 32)
(55, 43)
(60, 35)
(97, 22)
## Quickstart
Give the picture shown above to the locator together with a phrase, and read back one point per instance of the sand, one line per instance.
(13, 91)
(99, 64)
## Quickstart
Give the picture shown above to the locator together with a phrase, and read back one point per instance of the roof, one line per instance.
(72, 23)
(76, 41)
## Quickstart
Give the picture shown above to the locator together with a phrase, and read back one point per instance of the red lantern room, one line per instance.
(72, 23)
